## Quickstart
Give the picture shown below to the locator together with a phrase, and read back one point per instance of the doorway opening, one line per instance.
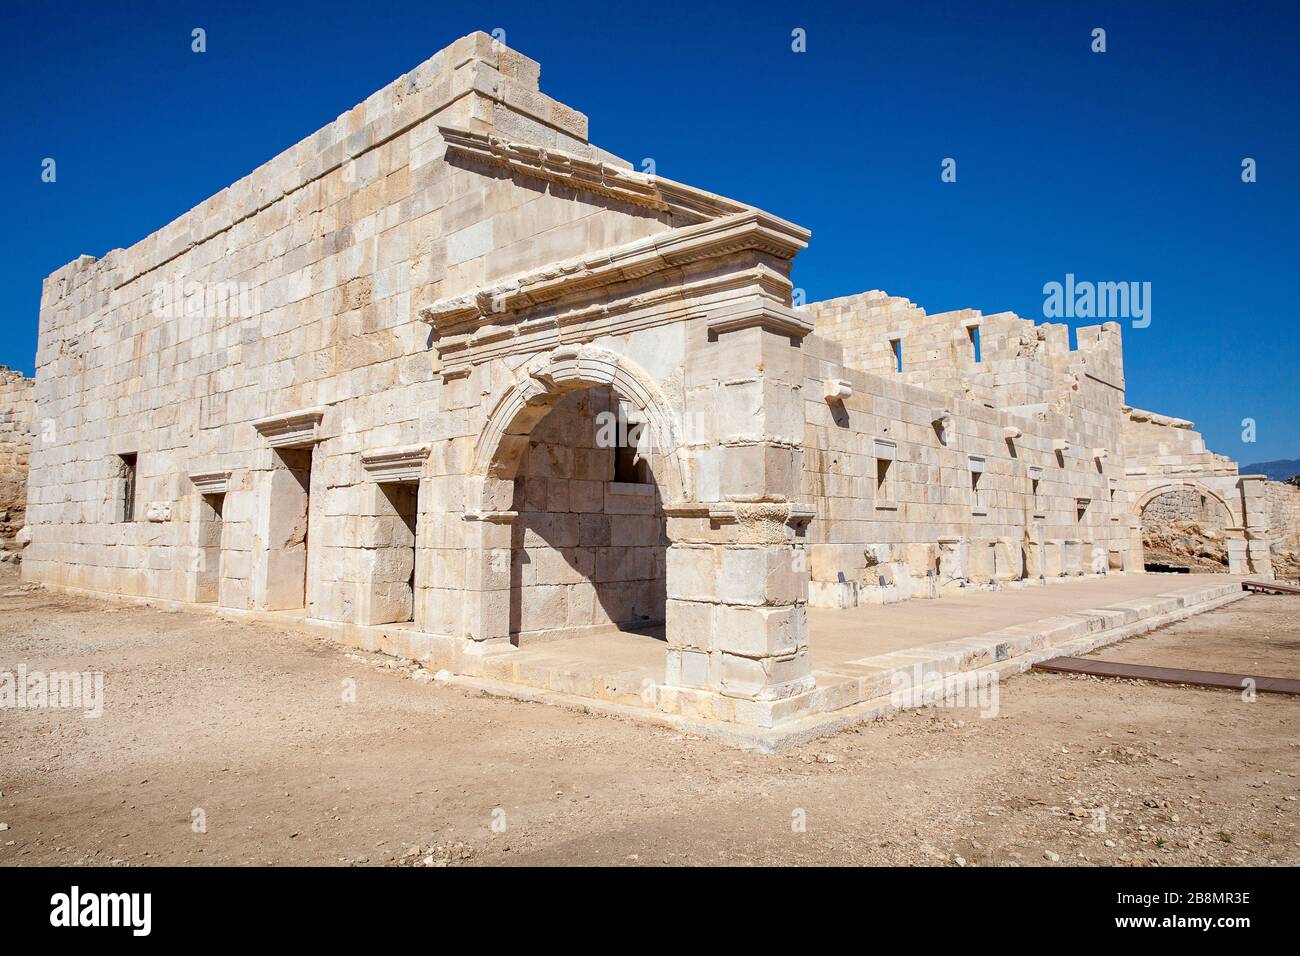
(287, 529)
(394, 594)
(589, 545)
(207, 589)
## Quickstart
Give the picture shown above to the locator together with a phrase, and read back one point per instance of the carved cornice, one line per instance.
(752, 230)
(403, 464)
(731, 300)
(298, 429)
(211, 482)
(1155, 418)
(589, 175)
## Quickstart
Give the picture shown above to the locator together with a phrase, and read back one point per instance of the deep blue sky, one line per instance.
(1119, 166)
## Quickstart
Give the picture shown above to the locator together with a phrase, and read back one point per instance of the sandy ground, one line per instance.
(246, 728)
(1237, 639)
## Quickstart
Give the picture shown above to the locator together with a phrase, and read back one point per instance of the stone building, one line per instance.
(15, 443)
(452, 379)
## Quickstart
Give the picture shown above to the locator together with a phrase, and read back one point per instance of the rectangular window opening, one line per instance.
(629, 466)
(896, 346)
(127, 474)
(886, 452)
(979, 502)
(974, 332)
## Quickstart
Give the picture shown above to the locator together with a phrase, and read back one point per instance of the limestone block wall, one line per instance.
(1000, 360)
(1284, 514)
(1164, 446)
(297, 287)
(915, 490)
(1186, 504)
(15, 444)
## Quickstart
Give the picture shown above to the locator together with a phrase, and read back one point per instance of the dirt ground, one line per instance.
(1238, 639)
(243, 731)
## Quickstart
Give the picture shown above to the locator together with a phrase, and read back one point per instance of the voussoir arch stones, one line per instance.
(541, 382)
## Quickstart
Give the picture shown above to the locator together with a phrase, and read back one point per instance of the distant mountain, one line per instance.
(1279, 470)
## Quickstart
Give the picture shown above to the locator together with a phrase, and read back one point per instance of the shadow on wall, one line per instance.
(589, 547)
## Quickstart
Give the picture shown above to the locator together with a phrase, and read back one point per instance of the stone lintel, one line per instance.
(689, 509)
(404, 464)
(298, 429)
(211, 482)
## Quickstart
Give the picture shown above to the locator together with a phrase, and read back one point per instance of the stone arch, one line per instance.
(536, 388)
(1140, 522)
(538, 385)
(1183, 485)
(735, 591)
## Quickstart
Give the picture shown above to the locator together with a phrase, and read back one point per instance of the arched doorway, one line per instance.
(1184, 526)
(734, 575)
(589, 540)
(556, 542)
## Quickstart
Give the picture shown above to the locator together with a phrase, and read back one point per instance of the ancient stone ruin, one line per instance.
(447, 379)
(15, 443)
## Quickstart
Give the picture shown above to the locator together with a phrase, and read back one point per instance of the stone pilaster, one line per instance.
(1254, 506)
(737, 567)
(487, 578)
